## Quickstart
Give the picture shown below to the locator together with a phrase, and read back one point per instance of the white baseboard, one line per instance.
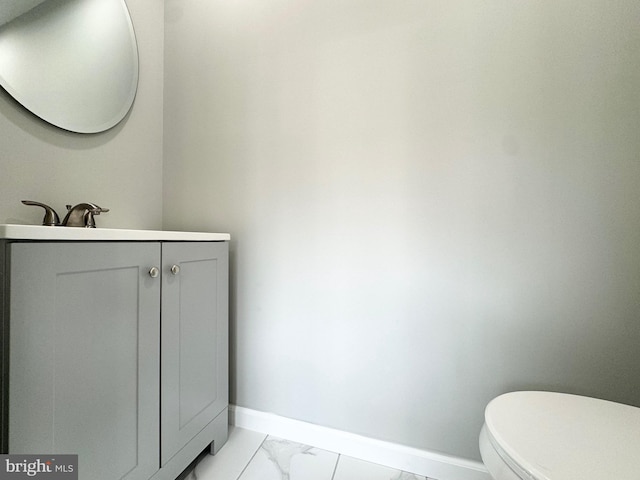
(413, 460)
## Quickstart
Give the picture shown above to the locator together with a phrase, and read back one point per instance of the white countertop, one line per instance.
(39, 232)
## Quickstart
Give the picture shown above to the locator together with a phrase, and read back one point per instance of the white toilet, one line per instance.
(556, 436)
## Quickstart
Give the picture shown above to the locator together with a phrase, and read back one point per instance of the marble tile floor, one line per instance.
(250, 455)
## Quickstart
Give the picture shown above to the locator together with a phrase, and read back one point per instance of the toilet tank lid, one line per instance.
(557, 436)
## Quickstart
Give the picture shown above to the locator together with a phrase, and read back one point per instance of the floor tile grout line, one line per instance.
(335, 469)
(253, 456)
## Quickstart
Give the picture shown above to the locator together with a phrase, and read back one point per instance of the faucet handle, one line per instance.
(51, 218)
(96, 210)
(93, 209)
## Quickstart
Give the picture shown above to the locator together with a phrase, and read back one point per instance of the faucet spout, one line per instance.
(82, 215)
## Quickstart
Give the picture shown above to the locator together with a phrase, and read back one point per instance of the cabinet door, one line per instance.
(194, 344)
(84, 355)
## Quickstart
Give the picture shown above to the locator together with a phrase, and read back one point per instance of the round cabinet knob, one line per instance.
(154, 272)
(175, 269)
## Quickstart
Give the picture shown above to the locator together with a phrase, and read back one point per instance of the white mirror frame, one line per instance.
(73, 63)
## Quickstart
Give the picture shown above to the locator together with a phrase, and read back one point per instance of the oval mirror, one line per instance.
(73, 63)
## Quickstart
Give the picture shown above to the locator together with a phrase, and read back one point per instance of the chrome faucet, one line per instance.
(82, 215)
(79, 216)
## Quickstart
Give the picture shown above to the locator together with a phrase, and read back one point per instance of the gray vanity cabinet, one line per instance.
(125, 366)
(84, 355)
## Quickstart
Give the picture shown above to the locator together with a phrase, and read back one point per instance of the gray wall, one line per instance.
(120, 169)
(431, 202)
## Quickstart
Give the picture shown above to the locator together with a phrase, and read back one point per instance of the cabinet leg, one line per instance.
(221, 431)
